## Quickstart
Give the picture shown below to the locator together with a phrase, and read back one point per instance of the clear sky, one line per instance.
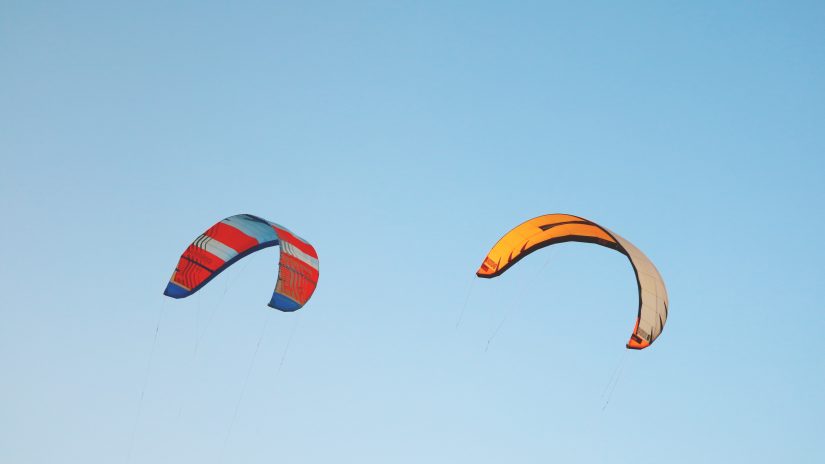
(403, 139)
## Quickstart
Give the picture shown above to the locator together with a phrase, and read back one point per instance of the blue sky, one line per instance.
(403, 139)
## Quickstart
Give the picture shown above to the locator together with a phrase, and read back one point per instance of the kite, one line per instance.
(551, 229)
(237, 236)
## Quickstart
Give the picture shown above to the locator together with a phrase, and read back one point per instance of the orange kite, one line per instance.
(558, 228)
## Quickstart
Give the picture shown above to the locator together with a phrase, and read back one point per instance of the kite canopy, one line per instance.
(237, 236)
(558, 228)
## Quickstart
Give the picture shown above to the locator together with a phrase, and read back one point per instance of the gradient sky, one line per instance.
(403, 139)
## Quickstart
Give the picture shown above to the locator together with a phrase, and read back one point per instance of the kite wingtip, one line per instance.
(637, 343)
(176, 291)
